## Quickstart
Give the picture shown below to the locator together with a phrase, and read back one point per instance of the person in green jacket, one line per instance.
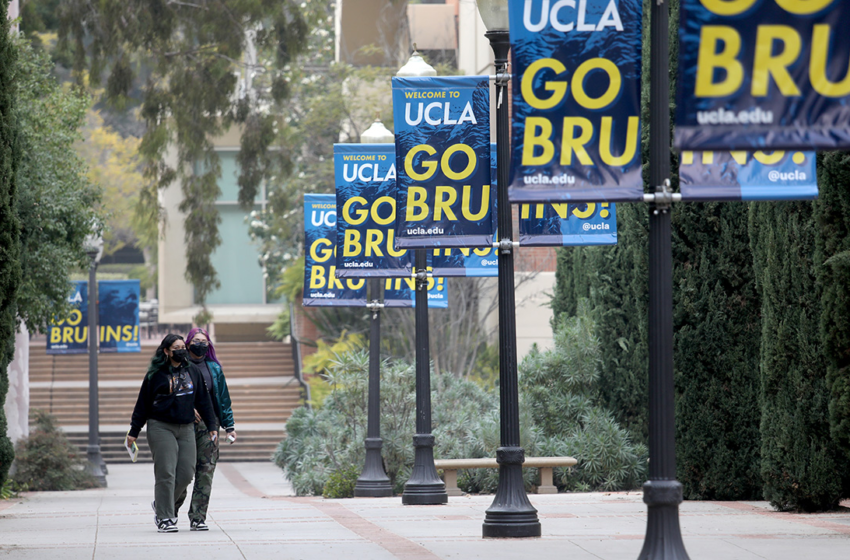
(203, 358)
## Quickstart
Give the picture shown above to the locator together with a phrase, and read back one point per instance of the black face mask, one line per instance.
(199, 349)
(180, 355)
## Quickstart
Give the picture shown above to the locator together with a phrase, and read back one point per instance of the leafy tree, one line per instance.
(800, 466)
(57, 204)
(38, 16)
(213, 64)
(10, 229)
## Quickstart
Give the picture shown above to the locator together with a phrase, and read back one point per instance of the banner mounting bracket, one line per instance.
(663, 197)
(505, 245)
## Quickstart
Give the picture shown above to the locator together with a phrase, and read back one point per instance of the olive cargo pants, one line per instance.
(173, 449)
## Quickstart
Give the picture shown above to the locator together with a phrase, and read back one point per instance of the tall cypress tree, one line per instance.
(833, 268)
(10, 265)
(620, 299)
(716, 347)
(800, 466)
(571, 282)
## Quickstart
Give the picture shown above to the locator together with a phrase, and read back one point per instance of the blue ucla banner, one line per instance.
(464, 261)
(321, 286)
(118, 315)
(778, 175)
(118, 319)
(71, 334)
(567, 224)
(365, 178)
(365, 192)
(576, 101)
(401, 292)
(769, 74)
(442, 130)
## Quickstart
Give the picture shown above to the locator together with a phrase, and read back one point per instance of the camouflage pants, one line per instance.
(207, 457)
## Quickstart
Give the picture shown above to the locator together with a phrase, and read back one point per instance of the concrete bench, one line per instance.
(545, 464)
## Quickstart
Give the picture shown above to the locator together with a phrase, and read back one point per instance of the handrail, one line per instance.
(296, 358)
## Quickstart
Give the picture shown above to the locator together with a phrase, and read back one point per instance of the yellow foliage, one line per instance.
(319, 390)
(326, 354)
(113, 164)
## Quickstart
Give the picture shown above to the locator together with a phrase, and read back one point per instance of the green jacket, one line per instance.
(221, 400)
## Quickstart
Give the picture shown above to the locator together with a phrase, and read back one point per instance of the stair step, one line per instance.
(251, 446)
(259, 403)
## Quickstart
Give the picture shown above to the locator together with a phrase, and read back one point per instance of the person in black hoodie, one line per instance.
(170, 393)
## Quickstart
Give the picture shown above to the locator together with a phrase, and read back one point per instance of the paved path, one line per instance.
(254, 516)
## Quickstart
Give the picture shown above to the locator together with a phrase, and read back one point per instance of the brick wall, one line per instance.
(532, 259)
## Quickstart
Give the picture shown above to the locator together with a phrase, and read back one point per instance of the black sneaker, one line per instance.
(166, 526)
(197, 525)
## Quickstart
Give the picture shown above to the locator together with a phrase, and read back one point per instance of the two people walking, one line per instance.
(184, 400)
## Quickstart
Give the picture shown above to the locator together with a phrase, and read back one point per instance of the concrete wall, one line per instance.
(433, 26)
(176, 301)
(372, 32)
(474, 53)
(533, 314)
(17, 405)
(175, 292)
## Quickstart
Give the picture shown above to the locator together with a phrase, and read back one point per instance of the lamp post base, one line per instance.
(96, 465)
(373, 489)
(511, 514)
(424, 488)
(373, 481)
(663, 539)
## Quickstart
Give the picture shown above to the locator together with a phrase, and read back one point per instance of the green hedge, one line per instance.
(10, 268)
(800, 464)
(833, 267)
(717, 326)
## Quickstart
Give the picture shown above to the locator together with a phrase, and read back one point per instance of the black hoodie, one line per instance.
(171, 395)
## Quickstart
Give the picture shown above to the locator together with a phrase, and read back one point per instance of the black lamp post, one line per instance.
(373, 481)
(511, 514)
(662, 493)
(424, 486)
(96, 466)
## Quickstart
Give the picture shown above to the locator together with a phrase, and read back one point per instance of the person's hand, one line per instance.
(213, 436)
(197, 417)
(233, 436)
(130, 441)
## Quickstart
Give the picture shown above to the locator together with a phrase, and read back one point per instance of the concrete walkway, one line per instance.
(254, 516)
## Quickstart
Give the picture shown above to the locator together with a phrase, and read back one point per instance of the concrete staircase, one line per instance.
(259, 375)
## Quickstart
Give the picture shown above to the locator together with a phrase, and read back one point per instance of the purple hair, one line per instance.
(210, 350)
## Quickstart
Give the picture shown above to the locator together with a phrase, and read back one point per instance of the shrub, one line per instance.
(557, 417)
(47, 461)
(558, 390)
(10, 490)
(328, 439)
(341, 482)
